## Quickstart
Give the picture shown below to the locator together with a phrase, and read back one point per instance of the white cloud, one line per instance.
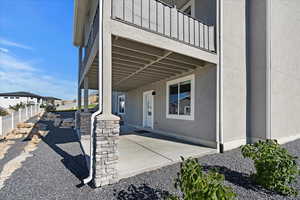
(8, 61)
(17, 75)
(14, 44)
(3, 50)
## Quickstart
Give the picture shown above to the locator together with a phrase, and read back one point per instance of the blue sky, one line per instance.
(36, 51)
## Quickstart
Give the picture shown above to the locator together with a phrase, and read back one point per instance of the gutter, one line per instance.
(90, 177)
(268, 69)
(219, 113)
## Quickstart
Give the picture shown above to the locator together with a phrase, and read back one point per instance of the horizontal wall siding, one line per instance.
(204, 125)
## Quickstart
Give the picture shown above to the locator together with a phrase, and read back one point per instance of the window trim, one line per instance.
(118, 99)
(177, 81)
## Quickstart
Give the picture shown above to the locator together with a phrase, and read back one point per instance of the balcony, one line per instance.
(155, 17)
(91, 37)
(165, 20)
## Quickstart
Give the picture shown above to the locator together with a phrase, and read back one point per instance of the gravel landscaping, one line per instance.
(57, 167)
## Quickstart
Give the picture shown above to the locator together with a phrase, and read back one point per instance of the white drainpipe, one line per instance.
(219, 134)
(90, 177)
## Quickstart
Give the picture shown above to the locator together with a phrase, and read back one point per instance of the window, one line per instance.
(180, 98)
(121, 104)
(17, 97)
(11, 97)
(5, 97)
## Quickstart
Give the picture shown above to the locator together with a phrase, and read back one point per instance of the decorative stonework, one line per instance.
(85, 123)
(77, 119)
(106, 152)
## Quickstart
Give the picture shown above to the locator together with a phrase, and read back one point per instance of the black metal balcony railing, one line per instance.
(91, 39)
(164, 19)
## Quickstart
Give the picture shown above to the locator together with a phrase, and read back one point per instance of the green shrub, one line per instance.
(50, 108)
(197, 185)
(17, 106)
(3, 112)
(276, 169)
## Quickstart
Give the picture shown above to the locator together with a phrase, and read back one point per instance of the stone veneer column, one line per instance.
(85, 123)
(106, 151)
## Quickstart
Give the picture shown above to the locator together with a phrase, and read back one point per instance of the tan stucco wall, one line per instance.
(202, 128)
(256, 69)
(233, 66)
(285, 68)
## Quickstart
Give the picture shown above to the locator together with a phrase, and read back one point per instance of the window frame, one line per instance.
(118, 104)
(192, 106)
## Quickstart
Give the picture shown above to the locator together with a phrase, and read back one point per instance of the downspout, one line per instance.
(100, 85)
(268, 69)
(219, 129)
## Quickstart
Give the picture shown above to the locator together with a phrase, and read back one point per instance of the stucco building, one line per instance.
(218, 73)
(14, 98)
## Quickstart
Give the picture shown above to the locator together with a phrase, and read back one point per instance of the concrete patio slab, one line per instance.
(141, 151)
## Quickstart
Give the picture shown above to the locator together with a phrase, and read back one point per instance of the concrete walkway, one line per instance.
(143, 151)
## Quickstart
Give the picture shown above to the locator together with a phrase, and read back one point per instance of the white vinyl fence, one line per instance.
(9, 122)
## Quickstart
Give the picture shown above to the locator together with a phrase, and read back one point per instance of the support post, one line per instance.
(26, 108)
(86, 94)
(107, 128)
(1, 127)
(85, 117)
(12, 120)
(20, 115)
(77, 113)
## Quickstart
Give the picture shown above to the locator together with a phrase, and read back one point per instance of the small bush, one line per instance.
(197, 185)
(3, 112)
(17, 106)
(50, 108)
(276, 169)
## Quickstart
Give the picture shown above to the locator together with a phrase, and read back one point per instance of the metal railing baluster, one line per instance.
(177, 24)
(164, 22)
(208, 33)
(199, 34)
(132, 11)
(194, 33)
(170, 22)
(203, 36)
(183, 27)
(124, 10)
(156, 16)
(189, 30)
(158, 10)
(141, 13)
(149, 14)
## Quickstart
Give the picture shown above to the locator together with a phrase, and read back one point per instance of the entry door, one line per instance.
(148, 114)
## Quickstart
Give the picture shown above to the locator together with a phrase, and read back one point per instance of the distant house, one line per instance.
(14, 98)
(52, 100)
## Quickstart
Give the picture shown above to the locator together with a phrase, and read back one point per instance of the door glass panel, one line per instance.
(121, 104)
(149, 106)
(185, 98)
(173, 99)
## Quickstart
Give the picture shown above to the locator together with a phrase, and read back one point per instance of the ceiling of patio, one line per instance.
(136, 64)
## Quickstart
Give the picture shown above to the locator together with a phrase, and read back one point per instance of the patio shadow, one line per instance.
(143, 192)
(237, 178)
(75, 164)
